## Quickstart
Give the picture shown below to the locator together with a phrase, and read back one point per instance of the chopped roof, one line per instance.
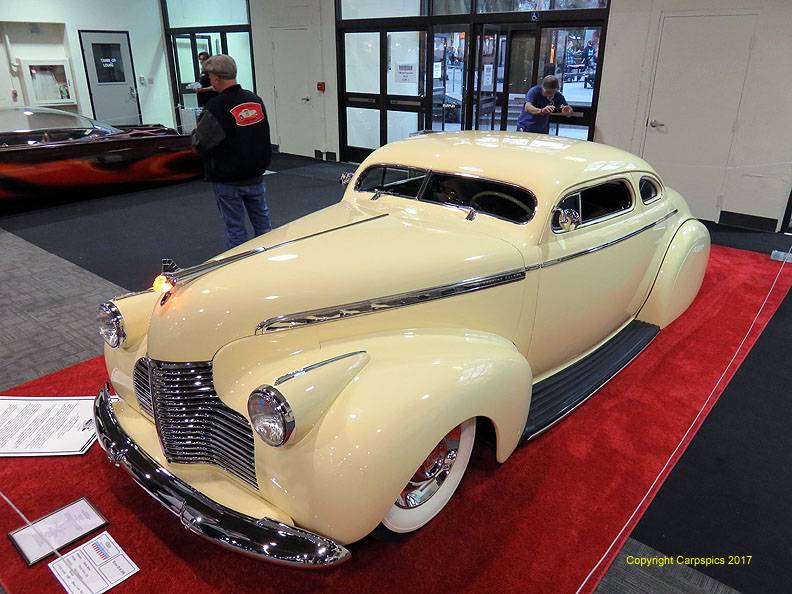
(544, 164)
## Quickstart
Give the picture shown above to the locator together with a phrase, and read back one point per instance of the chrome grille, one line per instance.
(140, 376)
(194, 425)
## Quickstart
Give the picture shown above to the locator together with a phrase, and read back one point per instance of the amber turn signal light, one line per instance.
(162, 284)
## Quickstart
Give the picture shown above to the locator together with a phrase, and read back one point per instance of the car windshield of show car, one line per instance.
(31, 126)
(478, 195)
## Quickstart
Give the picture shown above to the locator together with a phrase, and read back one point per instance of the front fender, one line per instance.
(384, 412)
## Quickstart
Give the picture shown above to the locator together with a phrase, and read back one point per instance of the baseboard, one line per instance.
(746, 221)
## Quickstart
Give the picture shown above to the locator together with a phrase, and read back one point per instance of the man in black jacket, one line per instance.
(233, 138)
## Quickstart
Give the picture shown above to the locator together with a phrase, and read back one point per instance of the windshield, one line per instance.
(27, 119)
(499, 199)
(389, 179)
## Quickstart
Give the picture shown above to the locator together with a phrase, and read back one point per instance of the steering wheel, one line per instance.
(502, 196)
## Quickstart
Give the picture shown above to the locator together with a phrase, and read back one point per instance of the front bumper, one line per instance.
(261, 538)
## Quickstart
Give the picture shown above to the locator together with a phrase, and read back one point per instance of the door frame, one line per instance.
(382, 101)
(472, 23)
(658, 39)
(88, 78)
(173, 72)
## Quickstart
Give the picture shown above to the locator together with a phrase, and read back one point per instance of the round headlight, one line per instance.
(271, 415)
(111, 324)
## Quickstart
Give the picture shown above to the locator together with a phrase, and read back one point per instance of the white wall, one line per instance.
(759, 172)
(200, 13)
(140, 17)
(319, 17)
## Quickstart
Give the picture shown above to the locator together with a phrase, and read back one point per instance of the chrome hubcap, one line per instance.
(430, 475)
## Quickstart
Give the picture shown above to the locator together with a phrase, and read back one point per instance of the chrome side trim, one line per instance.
(602, 246)
(264, 538)
(303, 370)
(181, 275)
(370, 306)
(366, 307)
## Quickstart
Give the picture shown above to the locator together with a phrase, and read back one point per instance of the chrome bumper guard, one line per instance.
(264, 538)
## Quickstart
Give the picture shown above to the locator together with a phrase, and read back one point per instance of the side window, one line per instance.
(603, 200)
(596, 202)
(649, 189)
(401, 181)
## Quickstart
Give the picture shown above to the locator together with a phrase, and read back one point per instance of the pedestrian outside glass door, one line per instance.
(572, 55)
(512, 59)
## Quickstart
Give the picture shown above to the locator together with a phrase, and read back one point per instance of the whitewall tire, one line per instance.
(435, 481)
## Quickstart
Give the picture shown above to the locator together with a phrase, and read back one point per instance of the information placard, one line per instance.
(56, 530)
(44, 426)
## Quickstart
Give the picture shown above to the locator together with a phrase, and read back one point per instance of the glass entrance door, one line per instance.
(572, 55)
(384, 96)
(510, 59)
(186, 47)
(490, 69)
(522, 73)
(449, 71)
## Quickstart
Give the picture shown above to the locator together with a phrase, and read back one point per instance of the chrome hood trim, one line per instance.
(179, 275)
(263, 538)
(360, 308)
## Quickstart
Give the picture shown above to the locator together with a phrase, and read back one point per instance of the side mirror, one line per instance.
(568, 219)
(346, 177)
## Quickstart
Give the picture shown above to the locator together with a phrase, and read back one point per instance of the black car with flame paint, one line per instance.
(48, 151)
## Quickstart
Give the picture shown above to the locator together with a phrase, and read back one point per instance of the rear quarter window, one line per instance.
(649, 189)
(597, 202)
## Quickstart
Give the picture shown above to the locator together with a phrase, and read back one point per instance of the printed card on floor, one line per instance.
(94, 567)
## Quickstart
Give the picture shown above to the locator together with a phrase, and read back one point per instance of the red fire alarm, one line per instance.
(320, 86)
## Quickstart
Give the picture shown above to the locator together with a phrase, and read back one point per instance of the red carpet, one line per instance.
(538, 523)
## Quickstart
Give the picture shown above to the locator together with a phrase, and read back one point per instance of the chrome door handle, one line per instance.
(656, 124)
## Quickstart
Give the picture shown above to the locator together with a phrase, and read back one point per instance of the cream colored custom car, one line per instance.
(329, 378)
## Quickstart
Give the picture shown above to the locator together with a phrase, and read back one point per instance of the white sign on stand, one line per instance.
(437, 72)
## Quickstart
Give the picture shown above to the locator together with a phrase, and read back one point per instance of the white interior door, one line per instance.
(701, 67)
(297, 108)
(111, 77)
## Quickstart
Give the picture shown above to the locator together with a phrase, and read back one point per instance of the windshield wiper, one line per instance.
(379, 192)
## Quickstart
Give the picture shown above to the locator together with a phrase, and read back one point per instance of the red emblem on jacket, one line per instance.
(247, 114)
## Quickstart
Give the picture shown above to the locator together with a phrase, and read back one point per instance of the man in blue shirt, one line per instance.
(540, 102)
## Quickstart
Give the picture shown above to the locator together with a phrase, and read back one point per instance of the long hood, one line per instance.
(318, 262)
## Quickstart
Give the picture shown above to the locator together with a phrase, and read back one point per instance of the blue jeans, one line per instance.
(233, 201)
